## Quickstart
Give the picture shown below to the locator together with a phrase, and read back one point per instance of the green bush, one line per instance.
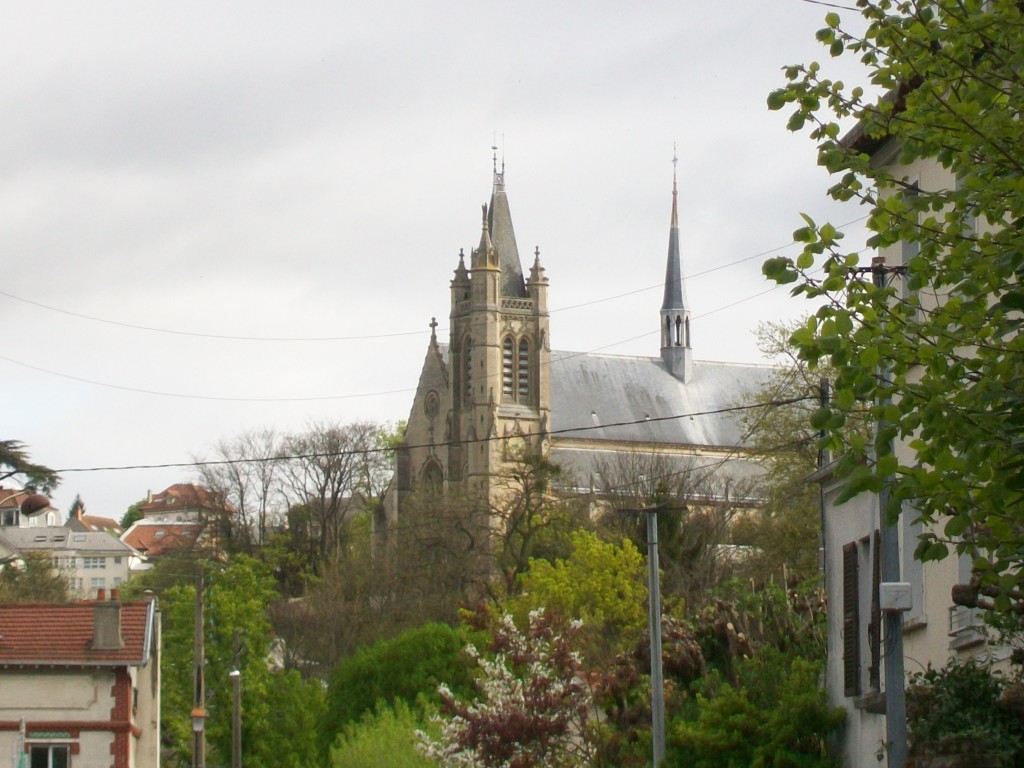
(385, 738)
(403, 668)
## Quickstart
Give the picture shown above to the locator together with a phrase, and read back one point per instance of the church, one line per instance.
(497, 389)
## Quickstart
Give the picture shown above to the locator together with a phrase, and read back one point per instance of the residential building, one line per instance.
(934, 628)
(80, 683)
(90, 560)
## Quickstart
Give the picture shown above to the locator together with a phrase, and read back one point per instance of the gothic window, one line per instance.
(679, 331)
(524, 370)
(433, 477)
(667, 338)
(507, 366)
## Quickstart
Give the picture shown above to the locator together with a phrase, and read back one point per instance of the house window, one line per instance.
(117, 559)
(97, 582)
(970, 219)
(93, 563)
(49, 756)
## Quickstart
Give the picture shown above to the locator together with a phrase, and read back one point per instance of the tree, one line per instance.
(280, 709)
(246, 472)
(331, 472)
(15, 463)
(132, 515)
(403, 670)
(31, 578)
(603, 585)
(947, 332)
(784, 534)
(534, 708)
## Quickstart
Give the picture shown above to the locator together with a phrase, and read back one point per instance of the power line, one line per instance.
(365, 337)
(390, 449)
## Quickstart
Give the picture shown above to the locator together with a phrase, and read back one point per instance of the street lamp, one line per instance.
(198, 720)
(236, 718)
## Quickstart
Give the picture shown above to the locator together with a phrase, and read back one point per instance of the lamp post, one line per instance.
(236, 718)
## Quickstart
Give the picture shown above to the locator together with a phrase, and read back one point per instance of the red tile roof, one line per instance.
(160, 538)
(184, 496)
(61, 634)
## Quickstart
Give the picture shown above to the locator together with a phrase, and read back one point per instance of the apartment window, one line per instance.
(970, 220)
(93, 563)
(909, 248)
(49, 756)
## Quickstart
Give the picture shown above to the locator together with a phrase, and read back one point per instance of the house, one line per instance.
(26, 508)
(497, 388)
(917, 599)
(153, 538)
(185, 502)
(79, 521)
(90, 560)
(80, 683)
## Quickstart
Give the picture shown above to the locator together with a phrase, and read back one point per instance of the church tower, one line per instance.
(675, 316)
(500, 353)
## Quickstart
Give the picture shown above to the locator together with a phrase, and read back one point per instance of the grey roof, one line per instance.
(53, 538)
(636, 399)
(675, 293)
(503, 237)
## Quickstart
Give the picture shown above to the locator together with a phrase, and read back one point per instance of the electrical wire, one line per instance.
(447, 444)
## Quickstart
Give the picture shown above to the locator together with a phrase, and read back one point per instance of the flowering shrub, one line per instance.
(534, 706)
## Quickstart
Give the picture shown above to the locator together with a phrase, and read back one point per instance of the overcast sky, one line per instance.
(176, 174)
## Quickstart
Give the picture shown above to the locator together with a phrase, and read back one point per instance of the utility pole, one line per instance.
(199, 684)
(889, 555)
(236, 718)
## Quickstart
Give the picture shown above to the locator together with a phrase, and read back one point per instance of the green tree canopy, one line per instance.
(14, 462)
(948, 330)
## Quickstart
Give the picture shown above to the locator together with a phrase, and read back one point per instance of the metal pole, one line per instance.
(236, 719)
(889, 554)
(654, 625)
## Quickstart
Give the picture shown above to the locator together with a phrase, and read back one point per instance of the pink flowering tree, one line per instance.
(534, 705)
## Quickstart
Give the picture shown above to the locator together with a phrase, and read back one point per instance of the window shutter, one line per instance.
(875, 625)
(851, 622)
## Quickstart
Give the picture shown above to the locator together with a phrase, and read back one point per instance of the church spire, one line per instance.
(674, 315)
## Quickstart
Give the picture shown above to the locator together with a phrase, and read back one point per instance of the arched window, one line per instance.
(524, 370)
(433, 477)
(507, 367)
(679, 331)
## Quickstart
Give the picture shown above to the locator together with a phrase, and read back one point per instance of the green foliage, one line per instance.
(132, 515)
(33, 580)
(384, 738)
(404, 668)
(965, 709)
(732, 730)
(279, 708)
(948, 331)
(14, 462)
(600, 583)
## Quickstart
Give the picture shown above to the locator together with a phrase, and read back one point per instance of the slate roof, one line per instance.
(59, 538)
(593, 395)
(60, 634)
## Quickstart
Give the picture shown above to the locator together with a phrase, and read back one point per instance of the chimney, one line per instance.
(106, 622)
